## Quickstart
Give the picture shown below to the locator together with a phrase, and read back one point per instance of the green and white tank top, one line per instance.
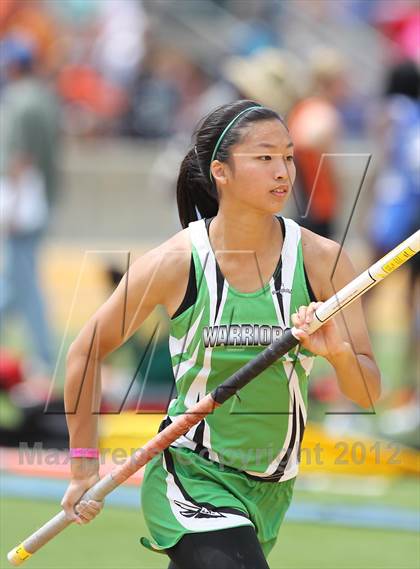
(260, 430)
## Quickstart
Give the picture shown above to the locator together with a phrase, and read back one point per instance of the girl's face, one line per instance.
(260, 172)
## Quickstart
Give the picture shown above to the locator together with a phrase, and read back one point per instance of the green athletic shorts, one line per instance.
(185, 493)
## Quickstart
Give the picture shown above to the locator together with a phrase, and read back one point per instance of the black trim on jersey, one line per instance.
(312, 296)
(280, 263)
(279, 472)
(190, 296)
(220, 279)
(165, 423)
(277, 288)
(278, 272)
(220, 510)
(282, 227)
(283, 463)
(198, 439)
(220, 282)
(199, 448)
(302, 426)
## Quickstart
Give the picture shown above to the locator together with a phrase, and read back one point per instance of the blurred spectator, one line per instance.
(119, 46)
(216, 91)
(93, 91)
(400, 22)
(273, 77)
(360, 9)
(210, 90)
(396, 207)
(30, 18)
(24, 398)
(156, 95)
(256, 29)
(395, 213)
(28, 185)
(315, 125)
(105, 48)
(76, 13)
(11, 370)
(91, 104)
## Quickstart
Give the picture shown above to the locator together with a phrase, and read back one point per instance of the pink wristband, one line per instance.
(84, 453)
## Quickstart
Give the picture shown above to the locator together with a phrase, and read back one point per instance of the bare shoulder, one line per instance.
(159, 277)
(316, 246)
(170, 256)
(167, 268)
(175, 250)
(327, 263)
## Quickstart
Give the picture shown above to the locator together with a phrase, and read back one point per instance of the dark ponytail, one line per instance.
(196, 191)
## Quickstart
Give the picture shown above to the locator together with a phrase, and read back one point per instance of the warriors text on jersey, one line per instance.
(260, 430)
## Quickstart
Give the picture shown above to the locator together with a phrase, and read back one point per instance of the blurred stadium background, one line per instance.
(98, 101)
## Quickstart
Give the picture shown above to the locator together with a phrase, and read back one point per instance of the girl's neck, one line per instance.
(244, 231)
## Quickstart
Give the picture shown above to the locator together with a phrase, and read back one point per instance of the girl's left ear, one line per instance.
(219, 171)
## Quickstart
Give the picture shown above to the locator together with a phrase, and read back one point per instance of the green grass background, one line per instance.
(111, 542)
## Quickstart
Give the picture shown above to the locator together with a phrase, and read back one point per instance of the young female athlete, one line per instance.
(230, 281)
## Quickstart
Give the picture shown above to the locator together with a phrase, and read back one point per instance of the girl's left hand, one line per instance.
(326, 341)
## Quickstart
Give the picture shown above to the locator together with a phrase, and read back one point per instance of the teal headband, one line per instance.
(221, 137)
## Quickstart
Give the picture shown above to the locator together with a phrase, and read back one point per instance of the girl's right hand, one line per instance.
(81, 512)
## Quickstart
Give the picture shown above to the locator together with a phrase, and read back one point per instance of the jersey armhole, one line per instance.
(190, 296)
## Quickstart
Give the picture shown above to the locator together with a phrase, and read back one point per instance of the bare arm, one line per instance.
(159, 277)
(108, 328)
(344, 341)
